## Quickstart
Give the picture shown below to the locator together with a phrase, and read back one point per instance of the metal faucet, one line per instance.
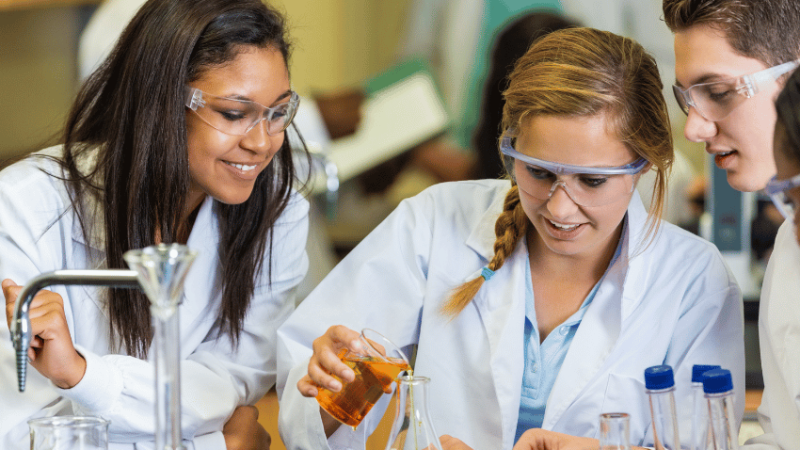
(21, 323)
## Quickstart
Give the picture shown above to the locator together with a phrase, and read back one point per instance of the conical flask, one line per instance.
(615, 431)
(412, 428)
(161, 270)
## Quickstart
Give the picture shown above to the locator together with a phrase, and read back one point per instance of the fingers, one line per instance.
(307, 387)
(10, 292)
(326, 361)
(450, 443)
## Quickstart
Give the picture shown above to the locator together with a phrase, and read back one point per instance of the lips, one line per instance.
(723, 159)
(563, 230)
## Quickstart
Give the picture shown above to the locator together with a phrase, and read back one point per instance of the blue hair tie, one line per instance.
(487, 273)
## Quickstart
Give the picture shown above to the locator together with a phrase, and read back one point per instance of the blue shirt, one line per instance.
(543, 362)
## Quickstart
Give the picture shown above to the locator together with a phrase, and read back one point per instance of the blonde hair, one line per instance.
(582, 72)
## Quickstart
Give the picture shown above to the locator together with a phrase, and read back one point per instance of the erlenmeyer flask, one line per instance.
(615, 431)
(161, 271)
(412, 428)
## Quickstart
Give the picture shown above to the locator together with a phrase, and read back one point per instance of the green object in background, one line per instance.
(497, 15)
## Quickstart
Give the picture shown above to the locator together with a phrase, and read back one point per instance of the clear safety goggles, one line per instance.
(586, 186)
(776, 189)
(237, 117)
(715, 100)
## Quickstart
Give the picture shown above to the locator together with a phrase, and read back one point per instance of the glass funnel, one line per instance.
(412, 428)
(161, 270)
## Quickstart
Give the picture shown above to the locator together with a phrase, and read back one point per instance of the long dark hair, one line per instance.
(131, 112)
(788, 106)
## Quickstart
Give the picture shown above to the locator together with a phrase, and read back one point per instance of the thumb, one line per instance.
(8, 282)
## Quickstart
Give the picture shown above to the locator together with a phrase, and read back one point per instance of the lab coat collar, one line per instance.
(482, 237)
(502, 311)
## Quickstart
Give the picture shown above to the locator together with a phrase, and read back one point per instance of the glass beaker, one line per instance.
(413, 428)
(69, 433)
(376, 367)
(615, 431)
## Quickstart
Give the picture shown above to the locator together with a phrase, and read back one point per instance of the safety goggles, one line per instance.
(715, 100)
(586, 186)
(237, 117)
(776, 189)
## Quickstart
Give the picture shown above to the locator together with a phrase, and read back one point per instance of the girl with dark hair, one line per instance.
(179, 136)
(536, 302)
(779, 310)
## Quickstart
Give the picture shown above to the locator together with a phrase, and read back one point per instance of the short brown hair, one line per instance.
(766, 30)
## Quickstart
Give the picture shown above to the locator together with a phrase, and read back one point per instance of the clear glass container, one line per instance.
(660, 389)
(615, 431)
(69, 433)
(161, 271)
(412, 428)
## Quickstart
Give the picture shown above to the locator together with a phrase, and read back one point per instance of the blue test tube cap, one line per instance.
(699, 369)
(717, 381)
(658, 377)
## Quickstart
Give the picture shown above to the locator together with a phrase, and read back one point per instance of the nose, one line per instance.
(698, 128)
(560, 204)
(257, 140)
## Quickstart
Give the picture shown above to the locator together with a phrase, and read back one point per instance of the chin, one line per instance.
(744, 183)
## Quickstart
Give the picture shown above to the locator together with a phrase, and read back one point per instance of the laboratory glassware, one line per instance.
(375, 371)
(699, 408)
(69, 433)
(660, 387)
(413, 428)
(615, 431)
(161, 270)
(723, 429)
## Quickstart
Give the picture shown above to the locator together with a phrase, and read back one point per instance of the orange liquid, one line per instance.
(373, 378)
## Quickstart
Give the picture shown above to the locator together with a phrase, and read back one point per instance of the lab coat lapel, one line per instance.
(616, 298)
(200, 281)
(501, 307)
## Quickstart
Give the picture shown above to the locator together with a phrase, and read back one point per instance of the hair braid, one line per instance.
(511, 225)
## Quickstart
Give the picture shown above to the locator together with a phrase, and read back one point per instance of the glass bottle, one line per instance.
(699, 407)
(161, 270)
(660, 387)
(615, 431)
(412, 428)
(723, 429)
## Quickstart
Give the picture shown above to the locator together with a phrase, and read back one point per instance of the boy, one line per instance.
(732, 58)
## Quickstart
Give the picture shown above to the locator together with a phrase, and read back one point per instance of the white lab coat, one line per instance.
(779, 339)
(215, 378)
(674, 303)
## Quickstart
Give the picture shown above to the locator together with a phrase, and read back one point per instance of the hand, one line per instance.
(450, 443)
(539, 439)
(243, 432)
(325, 361)
(51, 351)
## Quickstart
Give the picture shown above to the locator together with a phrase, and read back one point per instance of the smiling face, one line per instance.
(741, 143)
(225, 166)
(562, 226)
